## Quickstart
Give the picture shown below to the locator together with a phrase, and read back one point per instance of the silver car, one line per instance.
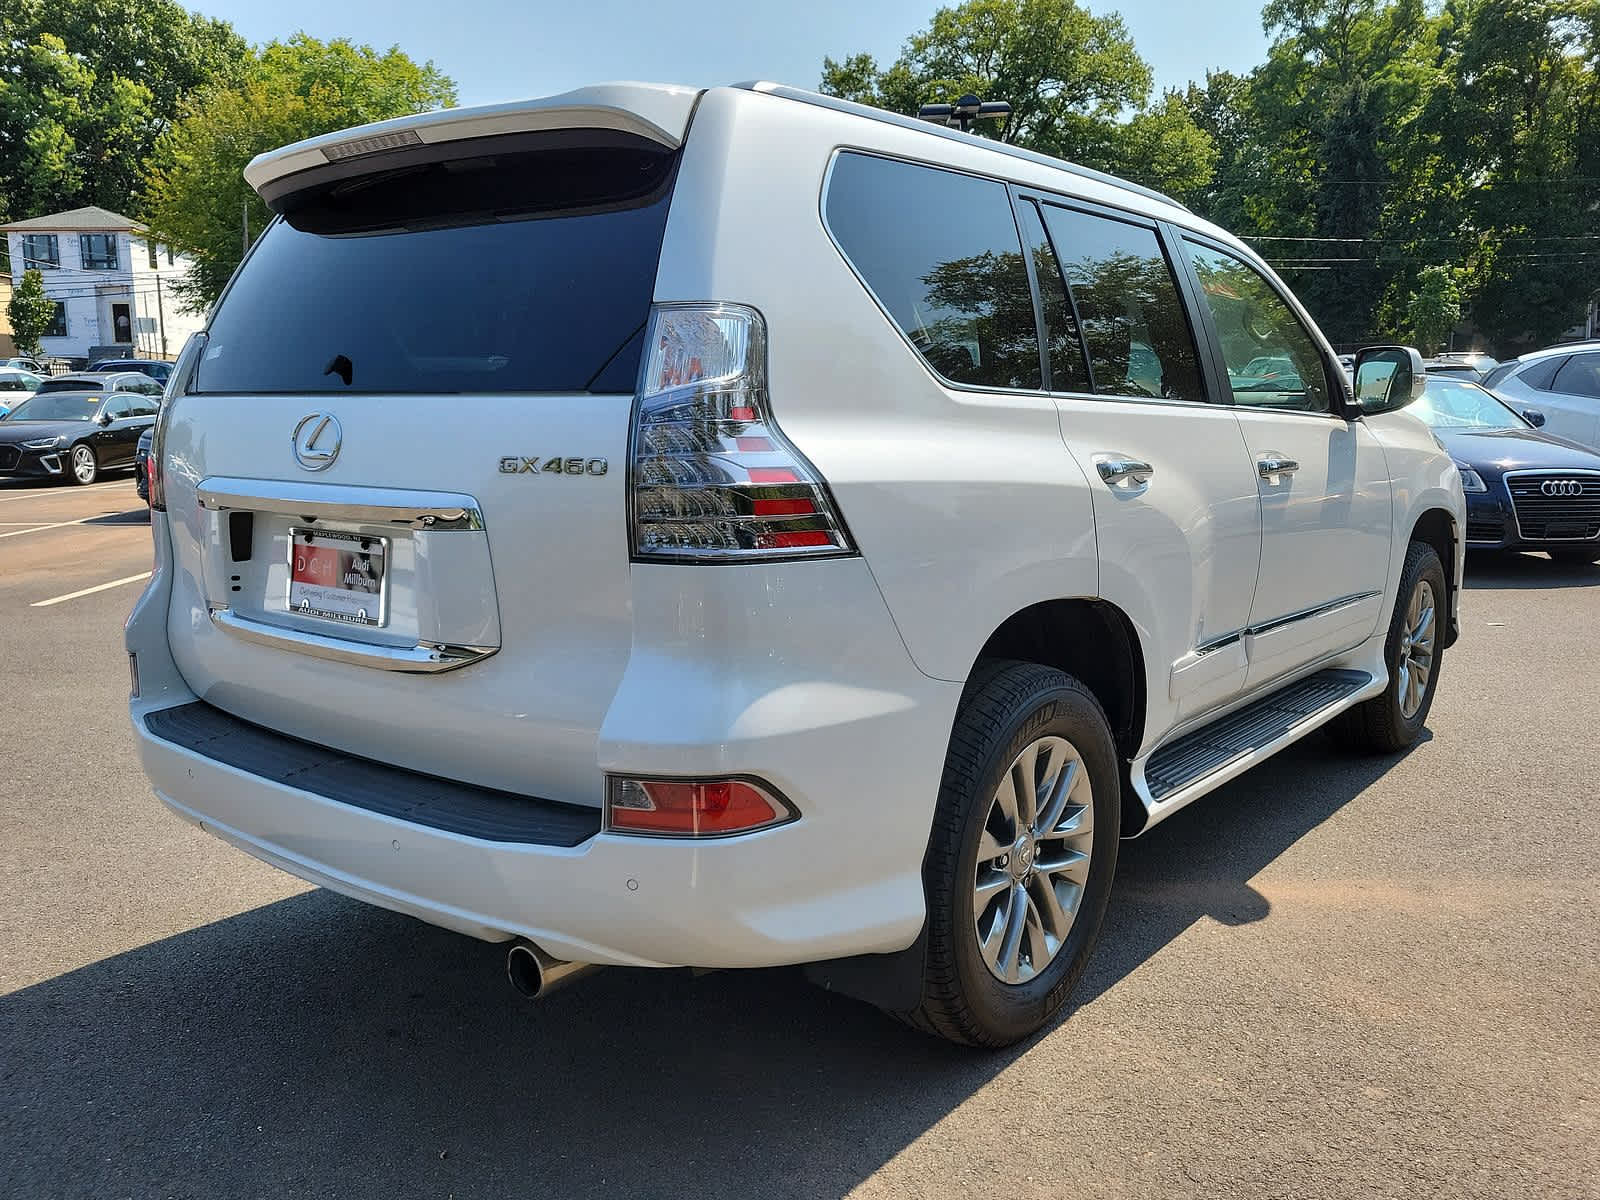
(1563, 382)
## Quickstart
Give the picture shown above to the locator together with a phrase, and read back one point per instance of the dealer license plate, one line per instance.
(338, 576)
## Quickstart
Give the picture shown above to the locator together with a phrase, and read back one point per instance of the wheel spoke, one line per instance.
(1060, 795)
(990, 847)
(1055, 919)
(1005, 799)
(1041, 947)
(1422, 631)
(989, 885)
(1011, 945)
(1070, 863)
(1025, 786)
(991, 939)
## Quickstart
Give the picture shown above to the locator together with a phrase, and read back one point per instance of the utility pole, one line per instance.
(161, 317)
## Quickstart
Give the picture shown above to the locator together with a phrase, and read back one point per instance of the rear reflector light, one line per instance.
(713, 479)
(692, 808)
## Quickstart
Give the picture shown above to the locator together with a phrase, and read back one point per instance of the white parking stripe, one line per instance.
(89, 591)
(42, 528)
(41, 494)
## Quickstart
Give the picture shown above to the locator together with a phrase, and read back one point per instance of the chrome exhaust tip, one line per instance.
(535, 974)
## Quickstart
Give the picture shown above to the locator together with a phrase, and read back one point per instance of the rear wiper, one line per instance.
(342, 367)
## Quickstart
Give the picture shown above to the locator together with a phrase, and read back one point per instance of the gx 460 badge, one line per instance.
(559, 465)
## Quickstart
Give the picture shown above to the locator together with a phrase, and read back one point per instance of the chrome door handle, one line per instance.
(1269, 465)
(1115, 469)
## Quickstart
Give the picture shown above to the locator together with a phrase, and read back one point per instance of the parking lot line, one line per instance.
(42, 495)
(42, 528)
(89, 591)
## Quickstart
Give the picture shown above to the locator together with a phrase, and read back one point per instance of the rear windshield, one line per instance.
(530, 271)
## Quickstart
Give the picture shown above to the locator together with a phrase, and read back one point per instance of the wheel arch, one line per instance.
(1436, 527)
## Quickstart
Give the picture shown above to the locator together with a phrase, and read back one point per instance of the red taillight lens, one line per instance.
(691, 808)
(713, 477)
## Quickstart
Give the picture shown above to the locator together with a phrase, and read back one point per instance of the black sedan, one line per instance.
(1526, 490)
(74, 436)
(141, 464)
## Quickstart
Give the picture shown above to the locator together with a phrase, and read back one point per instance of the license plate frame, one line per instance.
(341, 556)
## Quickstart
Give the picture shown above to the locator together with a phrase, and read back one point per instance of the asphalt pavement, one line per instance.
(1335, 977)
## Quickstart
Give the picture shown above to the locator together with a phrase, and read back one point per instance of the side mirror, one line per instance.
(102, 418)
(1533, 417)
(1388, 378)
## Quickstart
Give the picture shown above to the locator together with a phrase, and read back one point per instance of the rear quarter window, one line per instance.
(941, 253)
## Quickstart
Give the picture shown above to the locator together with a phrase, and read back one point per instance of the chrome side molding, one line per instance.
(423, 658)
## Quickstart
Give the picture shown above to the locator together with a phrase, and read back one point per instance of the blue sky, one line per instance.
(500, 50)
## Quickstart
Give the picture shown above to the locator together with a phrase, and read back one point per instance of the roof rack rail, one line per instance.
(923, 126)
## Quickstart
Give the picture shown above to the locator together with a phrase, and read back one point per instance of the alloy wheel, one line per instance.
(1033, 860)
(83, 464)
(1416, 650)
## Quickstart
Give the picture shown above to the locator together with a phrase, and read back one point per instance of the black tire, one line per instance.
(1380, 725)
(1005, 708)
(1576, 557)
(85, 452)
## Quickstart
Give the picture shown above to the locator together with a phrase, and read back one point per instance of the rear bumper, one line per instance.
(844, 879)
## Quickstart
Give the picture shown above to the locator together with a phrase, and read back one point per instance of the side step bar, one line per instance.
(1271, 722)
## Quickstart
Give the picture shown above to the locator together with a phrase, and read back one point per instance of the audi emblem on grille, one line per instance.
(1561, 487)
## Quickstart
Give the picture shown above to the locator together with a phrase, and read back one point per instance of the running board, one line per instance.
(1213, 748)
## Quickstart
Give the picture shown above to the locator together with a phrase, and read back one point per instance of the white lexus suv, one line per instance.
(729, 528)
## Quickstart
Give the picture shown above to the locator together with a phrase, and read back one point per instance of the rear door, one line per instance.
(1573, 408)
(1177, 522)
(1323, 480)
(396, 479)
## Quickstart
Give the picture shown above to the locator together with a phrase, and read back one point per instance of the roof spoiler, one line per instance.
(656, 112)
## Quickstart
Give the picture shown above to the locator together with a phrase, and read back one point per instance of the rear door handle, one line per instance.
(1269, 465)
(1119, 469)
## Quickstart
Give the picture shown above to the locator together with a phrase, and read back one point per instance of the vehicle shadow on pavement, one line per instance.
(134, 516)
(316, 1046)
(1501, 571)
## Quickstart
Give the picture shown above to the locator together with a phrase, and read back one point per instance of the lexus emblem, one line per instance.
(1561, 487)
(317, 440)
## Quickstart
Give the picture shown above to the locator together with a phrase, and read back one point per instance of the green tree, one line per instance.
(86, 88)
(195, 196)
(30, 312)
(1077, 87)
(1434, 308)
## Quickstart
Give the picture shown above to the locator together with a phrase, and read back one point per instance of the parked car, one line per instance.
(31, 365)
(141, 465)
(1563, 381)
(153, 367)
(16, 386)
(818, 575)
(75, 436)
(1469, 365)
(103, 381)
(1526, 489)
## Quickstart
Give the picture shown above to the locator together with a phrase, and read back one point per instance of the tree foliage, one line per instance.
(30, 312)
(1434, 308)
(86, 88)
(1077, 87)
(195, 197)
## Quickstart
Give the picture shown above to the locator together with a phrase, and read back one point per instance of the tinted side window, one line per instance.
(1499, 373)
(1069, 372)
(941, 253)
(1580, 376)
(1134, 325)
(118, 407)
(1272, 360)
(1542, 374)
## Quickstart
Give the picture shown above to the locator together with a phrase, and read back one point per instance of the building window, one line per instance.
(41, 251)
(99, 251)
(169, 254)
(58, 322)
(150, 245)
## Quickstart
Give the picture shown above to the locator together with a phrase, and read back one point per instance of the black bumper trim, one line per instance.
(461, 808)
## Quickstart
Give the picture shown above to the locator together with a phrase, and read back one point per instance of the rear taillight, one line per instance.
(177, 384)
(713, 479)
(692, 807)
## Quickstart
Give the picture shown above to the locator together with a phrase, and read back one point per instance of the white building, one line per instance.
(112, 288)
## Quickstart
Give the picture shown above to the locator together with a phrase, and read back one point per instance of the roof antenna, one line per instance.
(964, 112)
